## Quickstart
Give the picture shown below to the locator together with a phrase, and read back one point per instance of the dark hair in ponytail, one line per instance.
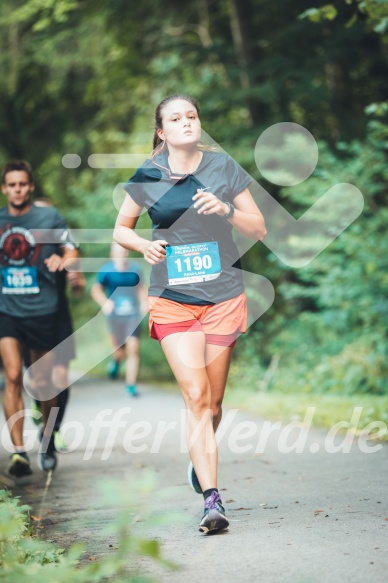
(158, 114)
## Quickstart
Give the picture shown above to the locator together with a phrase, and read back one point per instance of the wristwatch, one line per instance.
(230, 212)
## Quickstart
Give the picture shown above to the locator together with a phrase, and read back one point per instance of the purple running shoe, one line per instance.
(213, 519)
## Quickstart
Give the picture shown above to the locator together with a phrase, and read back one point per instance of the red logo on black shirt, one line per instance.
(17, 246)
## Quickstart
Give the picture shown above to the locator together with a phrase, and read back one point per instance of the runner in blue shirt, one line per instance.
(122, 297)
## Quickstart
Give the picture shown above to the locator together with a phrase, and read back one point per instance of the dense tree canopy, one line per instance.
(84, 77)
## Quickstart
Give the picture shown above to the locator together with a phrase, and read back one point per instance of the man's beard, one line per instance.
(21, 206)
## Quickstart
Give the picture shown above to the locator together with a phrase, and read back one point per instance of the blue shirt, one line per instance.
(120, 286)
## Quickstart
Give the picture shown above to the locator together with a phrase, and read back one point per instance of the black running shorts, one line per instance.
(37, 333)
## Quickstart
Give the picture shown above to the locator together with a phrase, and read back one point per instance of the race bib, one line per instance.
(124, 306)
(20, 280)
(193, 263)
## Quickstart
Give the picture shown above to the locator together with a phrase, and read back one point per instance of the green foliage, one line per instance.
(16, 545)
(25, 557)
(84, 77)
(328, 12)
(332, 336)
(375, 11)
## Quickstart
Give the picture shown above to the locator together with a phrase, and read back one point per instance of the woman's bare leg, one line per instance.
(185, 352)
(217, 370)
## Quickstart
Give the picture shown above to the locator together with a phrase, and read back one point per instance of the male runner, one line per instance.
(28, 303)
(65, 351)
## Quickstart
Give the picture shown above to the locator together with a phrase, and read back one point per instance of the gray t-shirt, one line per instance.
(199, 244)
(27, 287)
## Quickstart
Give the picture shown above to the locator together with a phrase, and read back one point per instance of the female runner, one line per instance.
(197, 302)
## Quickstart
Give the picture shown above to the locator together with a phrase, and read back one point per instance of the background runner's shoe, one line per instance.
(37, 419)
(214, 519)
(47, 461)
(131, 389)
(59, 443)
(19, 465)
(113, 369)
(193, 480)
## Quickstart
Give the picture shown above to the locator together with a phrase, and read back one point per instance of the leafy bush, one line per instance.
(25, 557)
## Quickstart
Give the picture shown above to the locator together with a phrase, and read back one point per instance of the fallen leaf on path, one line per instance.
(34, 518)
(229, 501)
(92, 558)
(243, 508)
(316, 512)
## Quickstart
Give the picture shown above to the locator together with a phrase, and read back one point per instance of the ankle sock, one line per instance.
(208, 492)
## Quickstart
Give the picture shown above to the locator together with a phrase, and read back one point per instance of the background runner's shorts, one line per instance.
(65, 350)
(37, 333)
(222, 323)
(122, 328)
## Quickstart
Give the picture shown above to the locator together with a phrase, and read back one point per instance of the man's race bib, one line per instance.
(20, 280)
(193, 263)
(124, 306)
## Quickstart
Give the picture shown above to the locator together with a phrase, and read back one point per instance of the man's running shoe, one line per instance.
(113, 369)
(193, 480)
(213, 519)
(19, 465)
(59, 443)
(37, 417)
(47, 461)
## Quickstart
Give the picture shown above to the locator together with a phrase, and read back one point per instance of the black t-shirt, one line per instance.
(170, 207)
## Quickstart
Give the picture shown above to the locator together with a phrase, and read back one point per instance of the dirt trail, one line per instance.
(311, 517)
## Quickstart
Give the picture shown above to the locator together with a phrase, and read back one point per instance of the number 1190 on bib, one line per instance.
(193, 263)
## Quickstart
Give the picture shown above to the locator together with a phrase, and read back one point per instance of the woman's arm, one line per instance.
(247, 218)
(125, 235)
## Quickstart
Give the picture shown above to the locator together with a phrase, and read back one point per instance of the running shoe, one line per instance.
(37, 418)
(19, 465)
(113, 369)
(193, 480)
(132, 390)
(59, 443)
(213, 519)
(47, 461)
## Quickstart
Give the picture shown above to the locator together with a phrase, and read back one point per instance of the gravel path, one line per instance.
(310, 517)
